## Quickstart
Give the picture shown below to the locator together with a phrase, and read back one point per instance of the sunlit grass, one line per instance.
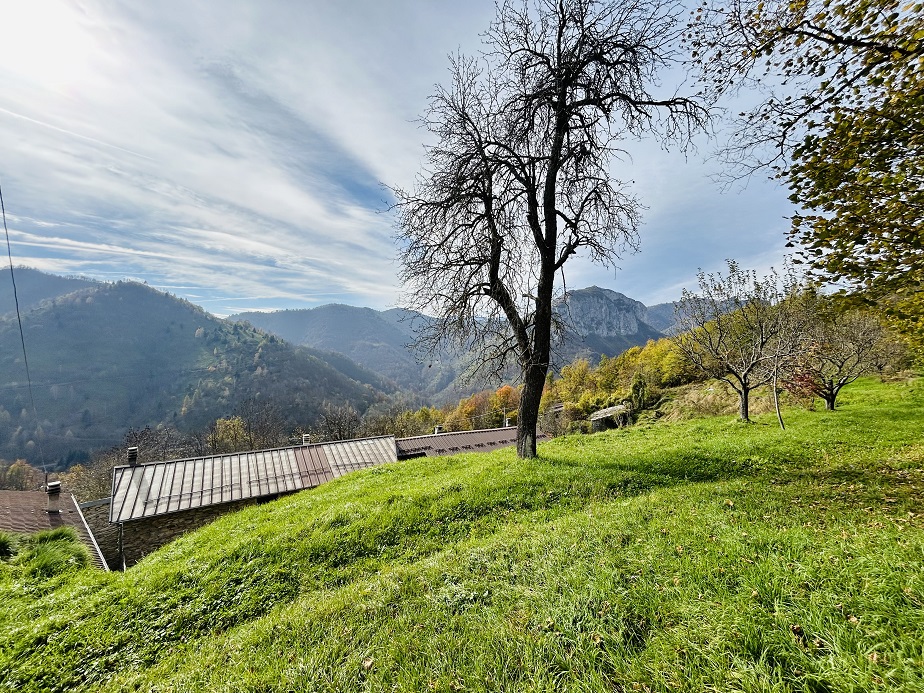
(699, 555)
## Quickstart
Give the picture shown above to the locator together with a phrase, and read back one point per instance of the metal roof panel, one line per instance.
(148, 490)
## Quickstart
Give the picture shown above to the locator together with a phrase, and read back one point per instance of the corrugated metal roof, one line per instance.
(347, 456)
(461, 441)
(149, 490)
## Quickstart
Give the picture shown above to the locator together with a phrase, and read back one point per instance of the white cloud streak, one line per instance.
(234, 150)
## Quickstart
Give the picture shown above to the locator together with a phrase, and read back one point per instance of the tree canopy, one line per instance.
(840, 120)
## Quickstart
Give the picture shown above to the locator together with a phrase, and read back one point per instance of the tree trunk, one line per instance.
(743, 402)
(528, 416)
(829, 401)
(776, 401)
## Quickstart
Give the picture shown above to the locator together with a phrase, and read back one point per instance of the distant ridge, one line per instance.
(33, 287)
(602, 322)
(597, 322)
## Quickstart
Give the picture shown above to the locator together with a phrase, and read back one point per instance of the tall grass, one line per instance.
(7, 544)
(699, 555)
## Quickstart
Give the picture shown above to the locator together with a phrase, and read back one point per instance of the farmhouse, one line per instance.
(151, 504)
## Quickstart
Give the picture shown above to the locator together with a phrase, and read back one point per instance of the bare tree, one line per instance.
(738, 328)
(264, 424)
(518, 180)
(338, 422)
(94, 479)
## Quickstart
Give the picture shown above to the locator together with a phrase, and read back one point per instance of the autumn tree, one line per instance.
(19, 475)
(504, 404)
(843, 345)
(228, 434)
(518, 178)
(840, 122)
(737, 328)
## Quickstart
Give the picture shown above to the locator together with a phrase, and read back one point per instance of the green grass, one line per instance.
(699, 555)
(42, 555)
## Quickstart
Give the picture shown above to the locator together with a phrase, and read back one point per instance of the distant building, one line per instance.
(30, 512)
(438, 444)
(611, 417)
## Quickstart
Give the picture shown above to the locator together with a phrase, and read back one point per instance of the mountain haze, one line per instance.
(33, 287)
(379, 340)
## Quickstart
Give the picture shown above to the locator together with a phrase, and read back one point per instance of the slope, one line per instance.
(704, 555)
(123, 355)
(33, 287)
(377, 340)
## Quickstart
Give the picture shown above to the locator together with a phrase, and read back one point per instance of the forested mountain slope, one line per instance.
(123, 355)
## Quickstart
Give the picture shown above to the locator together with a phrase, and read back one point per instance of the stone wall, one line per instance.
(96, 513)
(141, 537)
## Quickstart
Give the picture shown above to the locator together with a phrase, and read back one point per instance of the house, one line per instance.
(30, 512)
(151, 504)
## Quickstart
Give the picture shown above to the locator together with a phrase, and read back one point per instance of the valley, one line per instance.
(106, 358)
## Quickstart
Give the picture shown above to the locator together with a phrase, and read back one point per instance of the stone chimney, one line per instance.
(53, 488)
(132, 456)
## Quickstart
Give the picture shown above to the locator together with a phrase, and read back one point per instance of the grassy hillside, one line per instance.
(699, 555)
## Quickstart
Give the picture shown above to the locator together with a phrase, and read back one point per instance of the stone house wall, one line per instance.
(96, 513)
(141, 537)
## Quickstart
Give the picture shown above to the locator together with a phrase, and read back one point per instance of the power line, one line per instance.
(22, 337)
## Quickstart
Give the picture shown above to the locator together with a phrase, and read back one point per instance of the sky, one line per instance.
(237, 153)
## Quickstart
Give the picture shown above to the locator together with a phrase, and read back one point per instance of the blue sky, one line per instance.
(232, 151)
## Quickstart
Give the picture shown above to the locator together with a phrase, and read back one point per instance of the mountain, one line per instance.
(33, 287)
(597, 321)
(114, 356)
(661, 316)
(379, 340)
(601, 322)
